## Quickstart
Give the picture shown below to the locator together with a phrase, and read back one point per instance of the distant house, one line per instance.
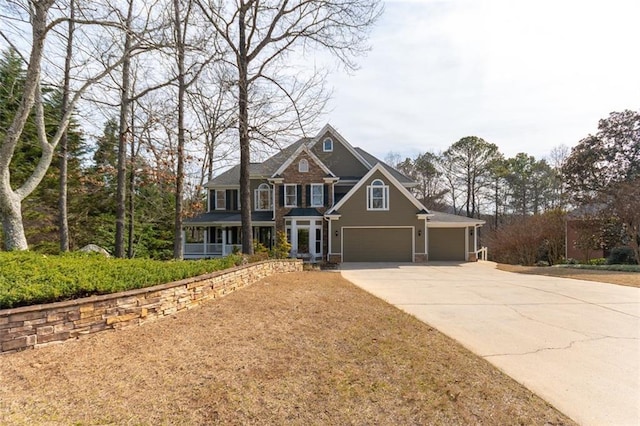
(578, 246)
(583, 229)
(336, 203)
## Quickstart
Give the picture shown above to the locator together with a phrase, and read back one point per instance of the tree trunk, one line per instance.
(62, 202)
(132, 188)
(12, 228)
(11, 201)
(180, 50)
(121, 195)
(245, 153)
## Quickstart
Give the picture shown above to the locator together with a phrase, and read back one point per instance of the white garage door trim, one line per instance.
(413, 237)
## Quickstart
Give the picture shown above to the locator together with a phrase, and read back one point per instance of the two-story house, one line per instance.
(336, 203)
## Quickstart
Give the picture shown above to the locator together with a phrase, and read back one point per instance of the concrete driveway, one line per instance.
(575, 343)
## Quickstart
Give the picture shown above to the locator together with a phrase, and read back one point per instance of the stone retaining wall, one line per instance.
(33, 326)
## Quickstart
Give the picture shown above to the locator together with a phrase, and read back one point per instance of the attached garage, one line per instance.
(377, 244)
(447, 244)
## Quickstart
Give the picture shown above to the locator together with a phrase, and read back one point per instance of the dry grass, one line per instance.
(303, 348)
(631, 279)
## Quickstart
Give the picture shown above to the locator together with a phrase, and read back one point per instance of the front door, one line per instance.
(305, 237)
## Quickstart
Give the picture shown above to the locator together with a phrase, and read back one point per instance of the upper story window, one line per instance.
(327, 145)
(221, 199)
(263, 197)
(377, 196)
(303, 166)
(317, 195)
(290, 195)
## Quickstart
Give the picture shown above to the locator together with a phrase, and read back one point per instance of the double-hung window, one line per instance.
(221, 199)
(263, 197)
(377, 196)
(290, 195)
(317, 194)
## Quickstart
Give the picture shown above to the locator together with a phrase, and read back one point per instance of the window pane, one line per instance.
(290, 198)
(317, 195)
(221, 202)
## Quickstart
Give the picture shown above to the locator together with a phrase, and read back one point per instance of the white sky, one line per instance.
(527, 75)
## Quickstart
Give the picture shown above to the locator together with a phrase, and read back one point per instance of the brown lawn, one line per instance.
(631, 279)
(303, 348)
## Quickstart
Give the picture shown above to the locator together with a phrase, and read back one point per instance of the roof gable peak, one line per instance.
(328, 128)
(302, 148)
(393, 181)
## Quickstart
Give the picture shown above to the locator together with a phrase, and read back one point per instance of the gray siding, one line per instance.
(401, 212)
(340, 161)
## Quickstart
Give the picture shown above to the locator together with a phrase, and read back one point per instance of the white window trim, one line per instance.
(324, 146)
(303, 166)
(262, 188)
(385, 196)
(295, 194)
(316, 185)
(224, 198)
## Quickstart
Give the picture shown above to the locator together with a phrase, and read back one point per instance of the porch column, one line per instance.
(206, 241)
(466, 243)
(475, 238)
(224, 240)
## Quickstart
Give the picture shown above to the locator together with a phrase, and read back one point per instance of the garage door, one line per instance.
(377, 245)
(446, 244)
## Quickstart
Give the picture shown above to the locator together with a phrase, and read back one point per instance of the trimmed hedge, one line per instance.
(28, 278)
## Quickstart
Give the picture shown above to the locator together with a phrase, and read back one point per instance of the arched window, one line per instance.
(327, 145)
(263, 200)
(377, 196)
(303, 166)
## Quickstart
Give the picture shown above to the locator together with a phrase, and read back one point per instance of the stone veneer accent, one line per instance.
(420, 258)
(38, 325)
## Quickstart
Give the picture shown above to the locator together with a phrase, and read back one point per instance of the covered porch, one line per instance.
(204, 237)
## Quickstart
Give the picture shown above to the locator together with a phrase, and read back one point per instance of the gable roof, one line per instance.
(379, 167)
(278, 162)
(302, 148)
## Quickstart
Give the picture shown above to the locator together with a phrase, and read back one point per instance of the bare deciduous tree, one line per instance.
(38, 14)
(258, 35)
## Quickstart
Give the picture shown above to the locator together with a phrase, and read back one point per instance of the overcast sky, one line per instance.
(527, 75)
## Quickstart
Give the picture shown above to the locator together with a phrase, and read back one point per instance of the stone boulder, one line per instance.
(93, 248)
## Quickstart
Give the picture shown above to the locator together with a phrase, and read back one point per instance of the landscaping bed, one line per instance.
(300, 348)
(28, 278)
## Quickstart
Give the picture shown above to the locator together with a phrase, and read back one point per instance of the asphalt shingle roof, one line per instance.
(266, 168)
(227, 217)
(373, 160)
(447, 217)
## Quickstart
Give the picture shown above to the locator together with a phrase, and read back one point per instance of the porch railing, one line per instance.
(481, 254)
(202, 250)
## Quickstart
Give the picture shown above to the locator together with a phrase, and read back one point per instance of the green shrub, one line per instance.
(622, 256)
(28, 278)
(282, 248)
(597, 261)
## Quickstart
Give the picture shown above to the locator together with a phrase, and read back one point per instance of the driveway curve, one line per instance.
(575, 343)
